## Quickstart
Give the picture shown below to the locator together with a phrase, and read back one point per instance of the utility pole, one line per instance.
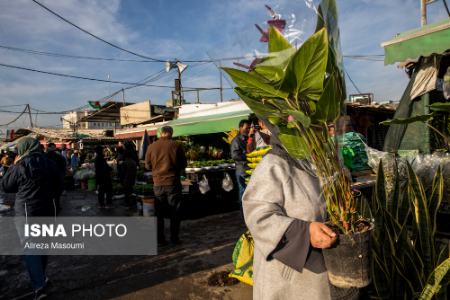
(221, 84)
(198, 96)
(29, 115)
(423, 12)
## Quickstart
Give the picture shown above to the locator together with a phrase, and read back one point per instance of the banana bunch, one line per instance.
(229, 136)
(254, 158)
(260, 152)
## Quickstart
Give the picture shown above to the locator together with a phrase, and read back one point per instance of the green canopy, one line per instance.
(432, 38)
(207, 124)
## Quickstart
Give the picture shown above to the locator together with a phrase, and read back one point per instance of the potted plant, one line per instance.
(301, 91)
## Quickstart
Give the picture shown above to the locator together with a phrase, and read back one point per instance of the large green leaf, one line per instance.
(328, 106)
(257, 106)
(404, 121)
(281, 51)
(300, 117)
(434, 285)
(274, 66)
(293, 142)
(254, 84)
(422, 221)
(434, 203)
(277, 42)
(440, 106)
(327, 17)
(306, 70)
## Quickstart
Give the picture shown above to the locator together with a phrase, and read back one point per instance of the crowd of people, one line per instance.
(282, 204)
(35, 173)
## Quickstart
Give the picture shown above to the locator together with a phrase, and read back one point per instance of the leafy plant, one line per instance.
(301, 91)
(408, 262)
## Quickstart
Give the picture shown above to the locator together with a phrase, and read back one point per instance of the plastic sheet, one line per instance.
(83, 174)
(424, 165)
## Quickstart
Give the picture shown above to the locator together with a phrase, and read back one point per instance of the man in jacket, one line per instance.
(167, 161)
(103, 178)
(61, 165)
(34, 179)
(238, 151)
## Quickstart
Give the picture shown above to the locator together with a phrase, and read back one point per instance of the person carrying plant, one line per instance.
(167, 161)
(238, 151)
(285, 213)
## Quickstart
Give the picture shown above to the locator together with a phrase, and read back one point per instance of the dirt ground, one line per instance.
(180, 272)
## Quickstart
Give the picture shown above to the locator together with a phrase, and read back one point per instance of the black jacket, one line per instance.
(35, 180)
(238, 150)
(102, 170)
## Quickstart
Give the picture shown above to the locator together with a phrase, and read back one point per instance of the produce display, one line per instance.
(254, 158)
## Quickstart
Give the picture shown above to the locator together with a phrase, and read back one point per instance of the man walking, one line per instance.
(167, 161)
(238, 150)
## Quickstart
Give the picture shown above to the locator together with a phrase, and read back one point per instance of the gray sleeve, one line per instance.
(294, 247)
(263, 204)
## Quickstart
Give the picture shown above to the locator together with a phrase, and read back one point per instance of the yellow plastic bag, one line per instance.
(243, 259)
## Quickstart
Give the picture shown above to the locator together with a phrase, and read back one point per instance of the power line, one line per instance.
(446, 7)
(353, 83)
(93, 35)
(17, 118)
(100, 80)
(64, 55)
(116, 46)
(61, 55)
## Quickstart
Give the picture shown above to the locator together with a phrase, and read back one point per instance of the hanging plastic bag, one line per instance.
(446, 84)
(203, 185)
(227, 183)
(243, 259)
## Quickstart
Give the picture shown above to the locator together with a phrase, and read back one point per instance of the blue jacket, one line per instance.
(35, 180)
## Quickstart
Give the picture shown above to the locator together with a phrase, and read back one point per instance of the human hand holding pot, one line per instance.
(321, 236)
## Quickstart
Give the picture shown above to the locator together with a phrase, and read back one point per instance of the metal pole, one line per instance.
(29, 115)
(198, 96)
(123, 97)
(179, 91)
(221, 85)
(423, 12)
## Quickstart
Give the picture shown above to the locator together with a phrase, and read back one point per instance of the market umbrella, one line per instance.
(144, 144)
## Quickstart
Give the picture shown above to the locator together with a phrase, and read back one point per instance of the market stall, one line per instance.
(209, 185)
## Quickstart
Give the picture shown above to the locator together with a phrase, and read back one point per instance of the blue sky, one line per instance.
(187, 30)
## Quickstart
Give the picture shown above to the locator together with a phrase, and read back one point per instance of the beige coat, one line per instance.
(278, 193)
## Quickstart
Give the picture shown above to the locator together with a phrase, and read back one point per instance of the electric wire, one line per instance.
(95, 58)
(114, 45)
(98, 79)
(353, 83)
(17, 118)
(93, 35)
(61, 55)
(446, 7)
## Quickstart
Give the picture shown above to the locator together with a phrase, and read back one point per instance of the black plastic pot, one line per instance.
(348, 262)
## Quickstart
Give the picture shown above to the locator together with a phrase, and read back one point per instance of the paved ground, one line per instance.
(176, 273)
